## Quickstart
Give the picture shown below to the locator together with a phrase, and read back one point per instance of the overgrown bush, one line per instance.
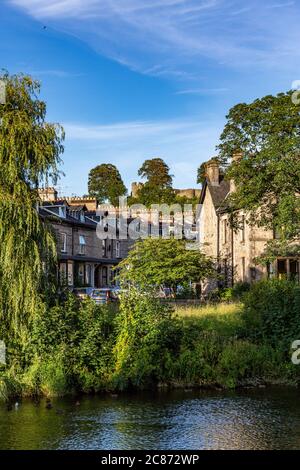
(272, 312)
(146, 337)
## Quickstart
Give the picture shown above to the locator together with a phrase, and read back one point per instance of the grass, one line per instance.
(224, 318)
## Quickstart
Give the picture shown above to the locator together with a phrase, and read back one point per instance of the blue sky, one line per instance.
(132, 79)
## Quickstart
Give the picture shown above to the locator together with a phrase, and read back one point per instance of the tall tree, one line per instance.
(166, 263)
(158, 186)
(30, 151)
(265, 135)
(106, 184)
(156, 172)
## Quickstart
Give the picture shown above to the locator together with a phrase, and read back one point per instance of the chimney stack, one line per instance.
(48, 194)
(212, 170)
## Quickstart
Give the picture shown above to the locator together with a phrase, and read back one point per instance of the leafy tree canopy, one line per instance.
(30, 151)
(106, 184)
(164, 262)
(266, 135)
(158, 186)
(156, 172)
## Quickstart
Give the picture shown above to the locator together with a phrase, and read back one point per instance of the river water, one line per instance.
(248, 419)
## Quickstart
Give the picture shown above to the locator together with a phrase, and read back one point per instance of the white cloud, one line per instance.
(168, 37)
(202, 91)
(132, 130)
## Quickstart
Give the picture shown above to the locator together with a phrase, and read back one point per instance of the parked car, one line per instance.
(103, 295)
(83, 292)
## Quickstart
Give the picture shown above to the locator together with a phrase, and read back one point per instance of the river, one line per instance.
(248, 419)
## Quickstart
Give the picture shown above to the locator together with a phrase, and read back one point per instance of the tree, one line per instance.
(158, 186)
(164, 262)
(106, 184)
(265, 135)
(156, 171)
(30, 151)
(201, 173)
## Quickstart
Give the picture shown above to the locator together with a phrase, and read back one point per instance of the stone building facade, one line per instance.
(234, 251)
(84, 259)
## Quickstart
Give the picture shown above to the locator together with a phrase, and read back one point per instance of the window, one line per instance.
(243, 229)
(82, 244)
(224, 231)
(70, 273)
(282, 268)
(294, 269)
(104, 248)
(270, 270)
(117, 249)
(88, 274)
(81, 274)
(63, 242)
(253, 273)
(104, 276)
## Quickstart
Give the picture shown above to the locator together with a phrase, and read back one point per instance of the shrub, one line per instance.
(147, 335)
(272, 312)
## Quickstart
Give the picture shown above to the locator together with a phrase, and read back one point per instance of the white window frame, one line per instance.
(63, 237)
(82, 244)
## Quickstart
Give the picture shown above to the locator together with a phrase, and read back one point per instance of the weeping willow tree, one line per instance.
(30, 151)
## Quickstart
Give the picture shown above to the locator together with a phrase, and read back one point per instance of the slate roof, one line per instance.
(218, 193)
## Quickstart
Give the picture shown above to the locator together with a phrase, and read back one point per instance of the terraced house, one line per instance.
(235, 251)
(83, 258)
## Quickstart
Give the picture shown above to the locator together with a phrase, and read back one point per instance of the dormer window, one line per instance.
(82, 244)
(62, 211)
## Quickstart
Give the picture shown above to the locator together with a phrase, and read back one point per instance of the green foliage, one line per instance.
(272, 312)
(146, 335)
(156, 171)
(234, 293)
(158, 186)
(106, 184)
(82, 334)
(267, 174)
(164, 262)
(29, 154)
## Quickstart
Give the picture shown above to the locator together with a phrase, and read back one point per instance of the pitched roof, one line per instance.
(218, 192)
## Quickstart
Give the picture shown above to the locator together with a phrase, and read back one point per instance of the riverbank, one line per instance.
(79, 347)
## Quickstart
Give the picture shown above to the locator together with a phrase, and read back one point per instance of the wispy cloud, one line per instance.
(178, 33)
(202, 91)
(172, 129)
(54, 73)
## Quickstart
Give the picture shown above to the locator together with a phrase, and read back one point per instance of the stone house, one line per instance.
(84, 259)
(234, 251)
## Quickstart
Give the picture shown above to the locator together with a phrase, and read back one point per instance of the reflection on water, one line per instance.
(251, 419)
